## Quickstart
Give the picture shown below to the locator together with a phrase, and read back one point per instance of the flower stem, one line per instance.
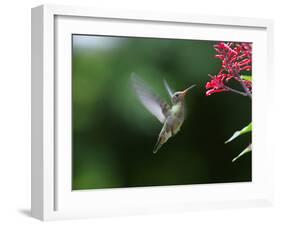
(235, 91)
(246, 89)
(249, 94)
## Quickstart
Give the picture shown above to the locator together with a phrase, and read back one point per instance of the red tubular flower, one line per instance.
(235, 57)
(216, 85)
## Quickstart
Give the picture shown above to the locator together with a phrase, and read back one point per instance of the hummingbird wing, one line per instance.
(157, 106)
(168, 88)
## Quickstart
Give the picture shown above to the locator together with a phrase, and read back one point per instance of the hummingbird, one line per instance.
(171, 116)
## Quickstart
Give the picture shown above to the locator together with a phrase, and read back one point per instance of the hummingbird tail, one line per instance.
(157, 146)
(164, 135)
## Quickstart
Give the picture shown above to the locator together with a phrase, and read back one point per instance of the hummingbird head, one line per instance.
(179, 96)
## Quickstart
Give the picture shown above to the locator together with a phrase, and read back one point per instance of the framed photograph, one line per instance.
(137, 112)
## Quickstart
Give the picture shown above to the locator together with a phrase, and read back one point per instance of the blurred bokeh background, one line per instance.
(113, 134)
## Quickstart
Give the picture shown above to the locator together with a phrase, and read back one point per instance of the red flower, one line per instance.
(235, 57)
(216, 85)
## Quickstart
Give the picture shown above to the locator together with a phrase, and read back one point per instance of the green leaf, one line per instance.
(246, 77)
(246, 129)
(248, 149)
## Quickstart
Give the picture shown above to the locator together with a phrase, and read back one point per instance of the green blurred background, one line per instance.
(113, 134)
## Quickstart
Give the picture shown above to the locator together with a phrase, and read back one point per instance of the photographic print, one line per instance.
(159, 112)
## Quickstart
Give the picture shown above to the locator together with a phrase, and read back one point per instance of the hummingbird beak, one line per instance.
(186, 90)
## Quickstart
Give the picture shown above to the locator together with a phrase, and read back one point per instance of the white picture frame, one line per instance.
(52, 197)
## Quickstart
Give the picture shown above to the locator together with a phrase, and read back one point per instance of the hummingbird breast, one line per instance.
(176, 118)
